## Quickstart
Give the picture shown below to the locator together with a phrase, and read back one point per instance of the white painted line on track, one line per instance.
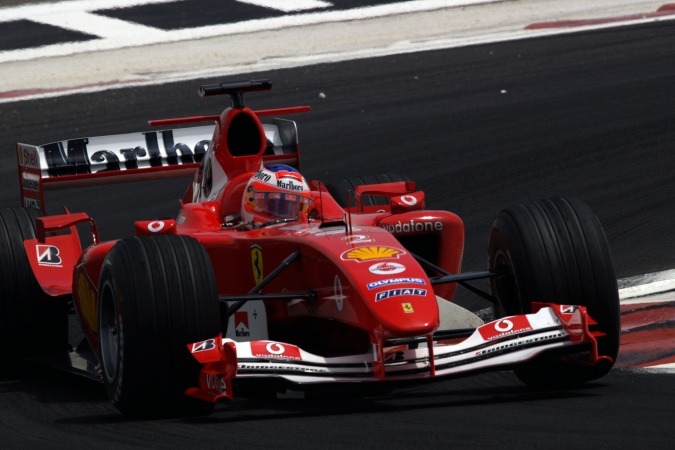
(101, 26)
(667, 296)
(651, 284)
(660, 368)
(50, 9)
(289, 5)
(143, 35)
(121, 58)
(670, 366)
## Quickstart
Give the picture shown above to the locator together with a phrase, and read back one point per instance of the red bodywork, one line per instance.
(357, 287)
(342, 252)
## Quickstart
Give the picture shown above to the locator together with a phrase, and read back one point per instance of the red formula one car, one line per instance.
(266, 280)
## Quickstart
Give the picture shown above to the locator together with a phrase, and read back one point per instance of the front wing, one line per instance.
(496, 345)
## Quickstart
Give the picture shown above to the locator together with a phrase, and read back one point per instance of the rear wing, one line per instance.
(132, 157)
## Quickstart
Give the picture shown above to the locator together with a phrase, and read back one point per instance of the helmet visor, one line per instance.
(280, 206)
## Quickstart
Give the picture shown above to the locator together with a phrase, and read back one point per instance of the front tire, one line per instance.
(556, 251)
(157, 294)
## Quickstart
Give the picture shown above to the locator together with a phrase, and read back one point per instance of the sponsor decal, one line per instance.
(262, 176)
(88, 302)
(388, 281)
(216, 384)
(289, 185)
(48, 255)
(74, 156)
(266, 349)
(409, 200)
(370, 253)
(399, 292)
(568, 309)
(31, 183)
(413, 226)
(391, 356)
(257, 263)
(407, 308)
(386, 268)
(156, 226)
(31, 203)
(519, 343)
(28, 157)
(505, 327)
(277, 367)
(241, 328)
(203, 346)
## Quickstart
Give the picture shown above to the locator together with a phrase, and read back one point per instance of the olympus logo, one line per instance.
(387, 282)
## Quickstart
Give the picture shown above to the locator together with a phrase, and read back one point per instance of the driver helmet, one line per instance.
(275, 193)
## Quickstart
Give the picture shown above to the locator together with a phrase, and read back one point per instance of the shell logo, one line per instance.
(370, 253)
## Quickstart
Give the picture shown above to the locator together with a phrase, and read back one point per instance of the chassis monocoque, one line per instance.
(189, 309)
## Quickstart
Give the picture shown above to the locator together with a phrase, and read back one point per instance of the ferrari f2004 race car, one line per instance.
(350, 285)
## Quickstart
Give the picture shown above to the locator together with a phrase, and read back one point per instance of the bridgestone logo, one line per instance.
(48, 255)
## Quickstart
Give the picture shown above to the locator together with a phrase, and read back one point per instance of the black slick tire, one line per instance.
(31, 322)
(556, 251)
(157, 294)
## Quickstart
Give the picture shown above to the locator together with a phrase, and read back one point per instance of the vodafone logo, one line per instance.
(409, 200)
(387, 268)
(504, 325)
(275, 348)
(156, 226)
(267, 349)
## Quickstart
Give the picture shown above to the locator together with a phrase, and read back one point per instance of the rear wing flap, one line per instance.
(129, 157)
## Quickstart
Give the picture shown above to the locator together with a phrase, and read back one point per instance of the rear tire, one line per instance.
(556, 251)
(157, 294)
(346, 187)
(31, 322)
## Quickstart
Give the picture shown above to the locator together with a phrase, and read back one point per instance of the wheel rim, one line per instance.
(504, 286)
(110, 333)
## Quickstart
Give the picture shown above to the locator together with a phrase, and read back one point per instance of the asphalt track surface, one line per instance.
(587, 115)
